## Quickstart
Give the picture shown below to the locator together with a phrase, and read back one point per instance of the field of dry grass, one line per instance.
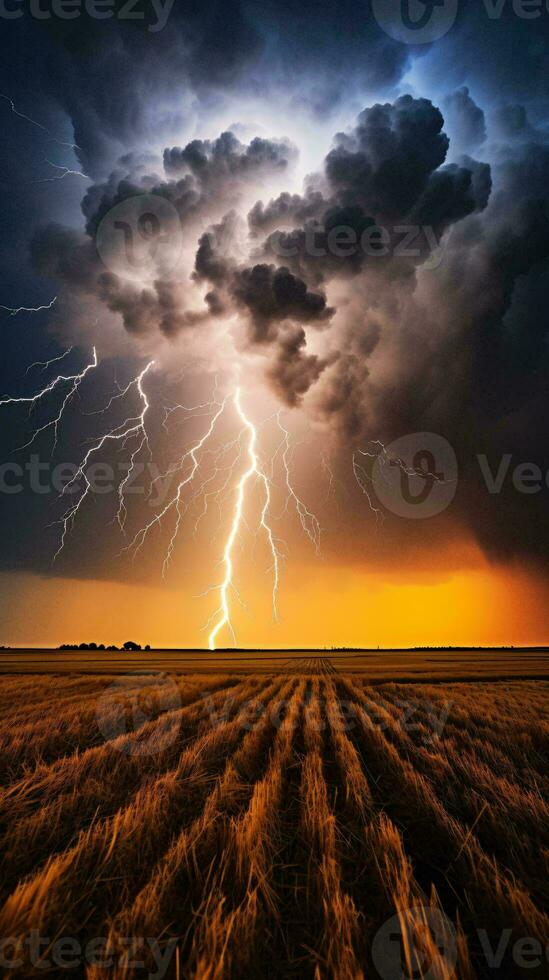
(286, 825)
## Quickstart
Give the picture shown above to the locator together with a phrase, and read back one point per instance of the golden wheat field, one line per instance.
(299, 824)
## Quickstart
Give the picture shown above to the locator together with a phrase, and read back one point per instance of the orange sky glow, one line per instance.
(320, 605)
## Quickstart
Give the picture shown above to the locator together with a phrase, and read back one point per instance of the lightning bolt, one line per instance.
(133, 426)
(384, 457)
(73, 380)
(362, 478)
(44, 365)
(176, 502)
(21, 115)
(235, 468)
(13, 311)
(64, 172)
(309, 521)
(254, 469)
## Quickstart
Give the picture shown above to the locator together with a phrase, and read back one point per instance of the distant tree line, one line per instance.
(129, 646)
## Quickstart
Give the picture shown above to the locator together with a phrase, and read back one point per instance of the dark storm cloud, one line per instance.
(385, 162)
(383, 177)
(71, 258)
(292, 372)
(464, 121)
(463, 347)
(199, 175)
(510, 122)
(274, 302)
(467, 355)
(220, 160)
(101, 198)
(273, 294)
(452, 193)
(111, 78)
(286, 208)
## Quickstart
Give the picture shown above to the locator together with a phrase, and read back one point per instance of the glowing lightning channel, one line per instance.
(44, 365)
(13, 311)
(130, 427)
(384, 458)
(63, 172)
(361, 476)
(74, 380)
(309, 522)
(21, 115)
(254, 468)
(176, 501)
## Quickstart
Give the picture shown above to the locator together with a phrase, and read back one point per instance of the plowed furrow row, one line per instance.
(377, 871)
(238, 920)
(187, 871)
(105, 781)
(121, 848)
(85, 725)
(442, 849)
(510, 823)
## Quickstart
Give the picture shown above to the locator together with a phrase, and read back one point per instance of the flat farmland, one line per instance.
(300, 822)
(375, 665)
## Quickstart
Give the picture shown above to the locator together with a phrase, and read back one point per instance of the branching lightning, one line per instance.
(309, 522)
(38, 125)
(72, 380)
(14, 311)
(383, 458)
(44, 365)
(226, 471)
(132, 427)
(363, 479)
(63, 172)
(254, 469)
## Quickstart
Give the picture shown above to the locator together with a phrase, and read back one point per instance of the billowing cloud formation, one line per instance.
(400, 292)
(465, 121)
(215, 161)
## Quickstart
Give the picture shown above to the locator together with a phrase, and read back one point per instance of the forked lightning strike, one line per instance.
(176, 502)
(220, 484)
(189, 465)
(63, 172)
(73, 380)
(383, 457)
(21, 115)
(254, 468)
(129, 428)
(15, 310)
(309, 522)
